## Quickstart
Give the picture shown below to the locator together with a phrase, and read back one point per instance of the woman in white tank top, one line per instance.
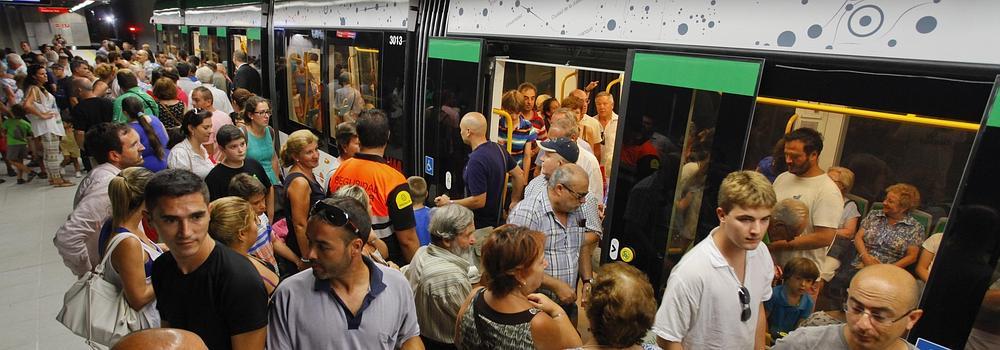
(46, 123)
(127, 192)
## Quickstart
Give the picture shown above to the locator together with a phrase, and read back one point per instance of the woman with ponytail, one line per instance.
(132, 253)
(152, 134)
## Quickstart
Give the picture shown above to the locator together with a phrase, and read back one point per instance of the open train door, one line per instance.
(454, 86)
(684, 126)
(961, 300)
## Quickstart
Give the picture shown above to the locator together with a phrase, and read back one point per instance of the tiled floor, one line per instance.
(32, 276)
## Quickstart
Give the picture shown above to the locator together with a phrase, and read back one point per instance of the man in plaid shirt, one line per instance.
(557, 212)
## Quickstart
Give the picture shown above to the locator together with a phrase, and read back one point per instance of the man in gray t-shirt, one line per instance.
(881, 307)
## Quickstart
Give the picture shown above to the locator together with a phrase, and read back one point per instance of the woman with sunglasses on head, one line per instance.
(233, 223)
(506, 313)
(301, 153)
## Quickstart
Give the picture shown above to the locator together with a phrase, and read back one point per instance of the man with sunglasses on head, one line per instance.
(881, 306)
(714, 296)
(345, 301)
(201, 285)
(557, 213)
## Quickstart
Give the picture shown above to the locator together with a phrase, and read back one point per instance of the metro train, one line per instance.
(902, 91)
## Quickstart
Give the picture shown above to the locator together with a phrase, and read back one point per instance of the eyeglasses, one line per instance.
(337, 217)
(855, 308)
(262, 112)
(745, 302)
(579, 196)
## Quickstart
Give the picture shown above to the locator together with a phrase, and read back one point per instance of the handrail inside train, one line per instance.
(856, 112)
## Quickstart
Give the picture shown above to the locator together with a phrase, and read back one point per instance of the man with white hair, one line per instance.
(219, 99)
(441, 275)
(15, 65)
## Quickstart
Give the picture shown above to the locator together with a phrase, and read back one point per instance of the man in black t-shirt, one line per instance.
(89, 111)
(234, 161)
(201, 285)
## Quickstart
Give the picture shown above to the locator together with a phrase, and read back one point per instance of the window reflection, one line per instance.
(353, 80)
(304, 80)
(451, 92)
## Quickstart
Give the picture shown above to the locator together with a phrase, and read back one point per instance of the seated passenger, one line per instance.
(927, 254)
(620, 308)
(790, 302)
(197, 266)
(345, 301)
(422, 214)
(442, 276)
(234, 224)
(890, 235)
(872, 322)
(505, 314)
(131, 260)
(842, 252)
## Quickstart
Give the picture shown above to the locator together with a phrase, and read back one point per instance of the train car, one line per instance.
(902, 91)
(217, 28)
(168, 20)
(335, 60)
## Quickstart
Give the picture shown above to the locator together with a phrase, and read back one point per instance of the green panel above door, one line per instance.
(220, 32)
(702, 73)
(159, 27)
(203, 30)
(184, 29)
(455, 50)
(253, 33)
(993, 119)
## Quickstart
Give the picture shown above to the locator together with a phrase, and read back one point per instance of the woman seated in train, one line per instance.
(621, 308)
(890, 235)
(233, 223)
(507, 313)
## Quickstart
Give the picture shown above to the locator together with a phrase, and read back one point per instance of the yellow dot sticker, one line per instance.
(627, 254)
(655, 164)
(403, 199)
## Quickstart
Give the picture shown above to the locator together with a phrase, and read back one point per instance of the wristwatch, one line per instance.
(588, 281)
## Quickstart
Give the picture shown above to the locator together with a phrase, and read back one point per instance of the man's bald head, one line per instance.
(83, 87)
(889, 281)
(161, 339)
(579, 94)
(475, 122)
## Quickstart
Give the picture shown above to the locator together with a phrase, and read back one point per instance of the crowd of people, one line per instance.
(220, 236)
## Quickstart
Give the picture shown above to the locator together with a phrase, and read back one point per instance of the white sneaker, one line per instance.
(79, 174)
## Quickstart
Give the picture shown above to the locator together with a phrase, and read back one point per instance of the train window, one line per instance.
(303, 53)
(353, 81)
(392, 99)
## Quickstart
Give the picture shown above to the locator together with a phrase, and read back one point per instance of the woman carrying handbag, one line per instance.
(116, 298)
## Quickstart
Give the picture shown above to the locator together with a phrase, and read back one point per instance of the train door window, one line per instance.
(682, 132)
(354, 74)
(392, 100)
(453, 89)
(196, 43)
(304, 79)
(220, 46)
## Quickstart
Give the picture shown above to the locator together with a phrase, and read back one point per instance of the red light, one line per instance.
(132, 29)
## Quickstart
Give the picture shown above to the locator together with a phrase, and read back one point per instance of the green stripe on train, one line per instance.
(710, 74)
(455, 50)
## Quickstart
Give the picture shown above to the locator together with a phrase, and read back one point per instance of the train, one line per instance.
(902, 91)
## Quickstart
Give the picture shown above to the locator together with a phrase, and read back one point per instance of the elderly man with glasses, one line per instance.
(557, 213)
(881, 306)
(346, 300)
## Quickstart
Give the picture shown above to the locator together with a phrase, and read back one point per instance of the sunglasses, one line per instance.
(337, 217)
(745, 302)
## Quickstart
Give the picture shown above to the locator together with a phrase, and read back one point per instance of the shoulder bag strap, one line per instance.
(486, 342)
(99, 269)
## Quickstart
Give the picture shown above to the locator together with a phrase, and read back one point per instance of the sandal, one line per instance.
(63, 184)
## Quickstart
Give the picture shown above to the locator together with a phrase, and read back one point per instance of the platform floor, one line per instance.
(32, 275)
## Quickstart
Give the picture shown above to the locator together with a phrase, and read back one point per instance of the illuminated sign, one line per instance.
(53, 9)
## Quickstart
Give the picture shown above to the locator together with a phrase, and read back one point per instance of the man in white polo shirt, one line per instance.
(714, 295)
(345, 301)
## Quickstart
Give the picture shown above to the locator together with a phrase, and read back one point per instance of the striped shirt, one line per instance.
(262, 247)
(538, 123)
(562, 242)
(440, 281)
(523, 134)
